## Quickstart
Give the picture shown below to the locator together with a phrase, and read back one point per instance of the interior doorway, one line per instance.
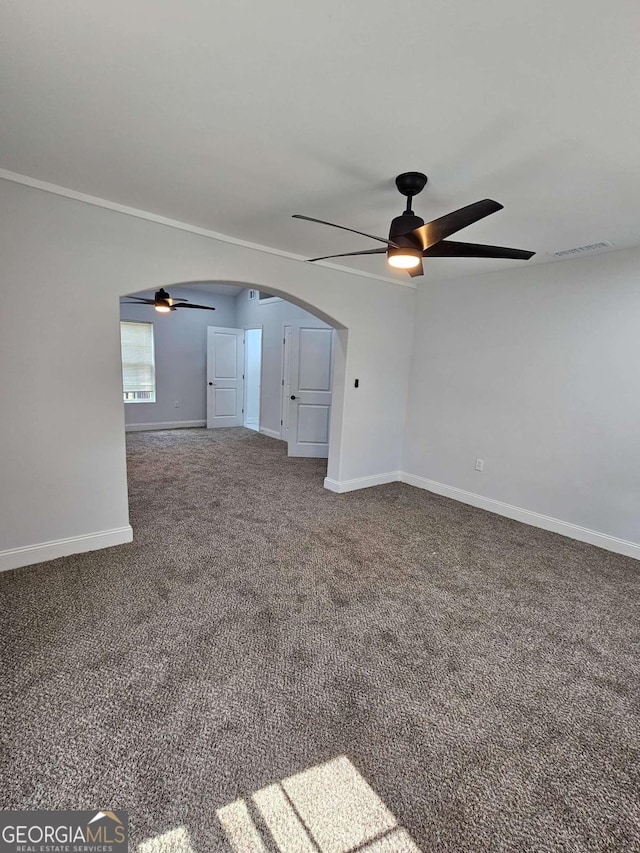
(252, 377)
(307, 387)
(225, 377)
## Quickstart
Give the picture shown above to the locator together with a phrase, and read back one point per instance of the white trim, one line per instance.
(284, 383)
(526, 516)
(14, 558)
(341, 486)
(27, 181)
(165, 425)
(271, 433)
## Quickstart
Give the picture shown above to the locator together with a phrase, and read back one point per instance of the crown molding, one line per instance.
(37, 184)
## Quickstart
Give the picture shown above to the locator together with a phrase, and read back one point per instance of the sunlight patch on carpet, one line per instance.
(241, 831)
(284, 825)
(173, 841)
(330, 808)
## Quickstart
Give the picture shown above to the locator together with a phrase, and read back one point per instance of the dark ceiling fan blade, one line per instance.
(136, 301)
(173, 301)
(349, 255)
(191, 305)
(432, 232)
(451, 249)
(414, 271)
(344, 228)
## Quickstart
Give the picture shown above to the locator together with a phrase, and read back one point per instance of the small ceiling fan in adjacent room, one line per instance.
(164, 303)
(411, 239)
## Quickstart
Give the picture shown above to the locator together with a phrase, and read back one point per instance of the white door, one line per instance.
(311, 369)
(225, 367)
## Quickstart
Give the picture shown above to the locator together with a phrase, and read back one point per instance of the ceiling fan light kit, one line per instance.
(403, 259)
(411, 239)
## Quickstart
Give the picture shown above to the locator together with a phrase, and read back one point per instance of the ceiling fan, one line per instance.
(164, 303)
(411, 239)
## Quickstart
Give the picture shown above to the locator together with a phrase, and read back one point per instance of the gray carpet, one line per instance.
(482, 676)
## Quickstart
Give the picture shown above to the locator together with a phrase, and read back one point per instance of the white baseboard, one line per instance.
(272, 433)
(526, 516)
(165, 425)
(14, 558)
(341, 486)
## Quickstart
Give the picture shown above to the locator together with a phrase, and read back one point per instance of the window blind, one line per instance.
(138, 368)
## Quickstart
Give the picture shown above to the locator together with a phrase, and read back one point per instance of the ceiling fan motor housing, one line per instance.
(401, 228)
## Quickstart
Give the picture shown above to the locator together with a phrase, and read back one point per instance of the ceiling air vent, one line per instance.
(580, 250)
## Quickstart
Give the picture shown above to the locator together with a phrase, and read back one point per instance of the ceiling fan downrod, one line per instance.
(410, 184)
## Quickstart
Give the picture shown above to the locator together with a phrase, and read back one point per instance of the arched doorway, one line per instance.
(219, 294)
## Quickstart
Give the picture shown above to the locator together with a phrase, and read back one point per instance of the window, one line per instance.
(138, 367)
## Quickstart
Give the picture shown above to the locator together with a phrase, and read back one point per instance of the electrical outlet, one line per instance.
(177, 404)
(479, 464)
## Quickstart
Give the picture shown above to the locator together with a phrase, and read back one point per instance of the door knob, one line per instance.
(293, 397)
(211, 383)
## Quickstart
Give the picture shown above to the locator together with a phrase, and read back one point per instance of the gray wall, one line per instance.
(271, 316)
(536, 371)
(180, 340)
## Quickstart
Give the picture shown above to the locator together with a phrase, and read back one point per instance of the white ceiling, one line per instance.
(232, 116)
